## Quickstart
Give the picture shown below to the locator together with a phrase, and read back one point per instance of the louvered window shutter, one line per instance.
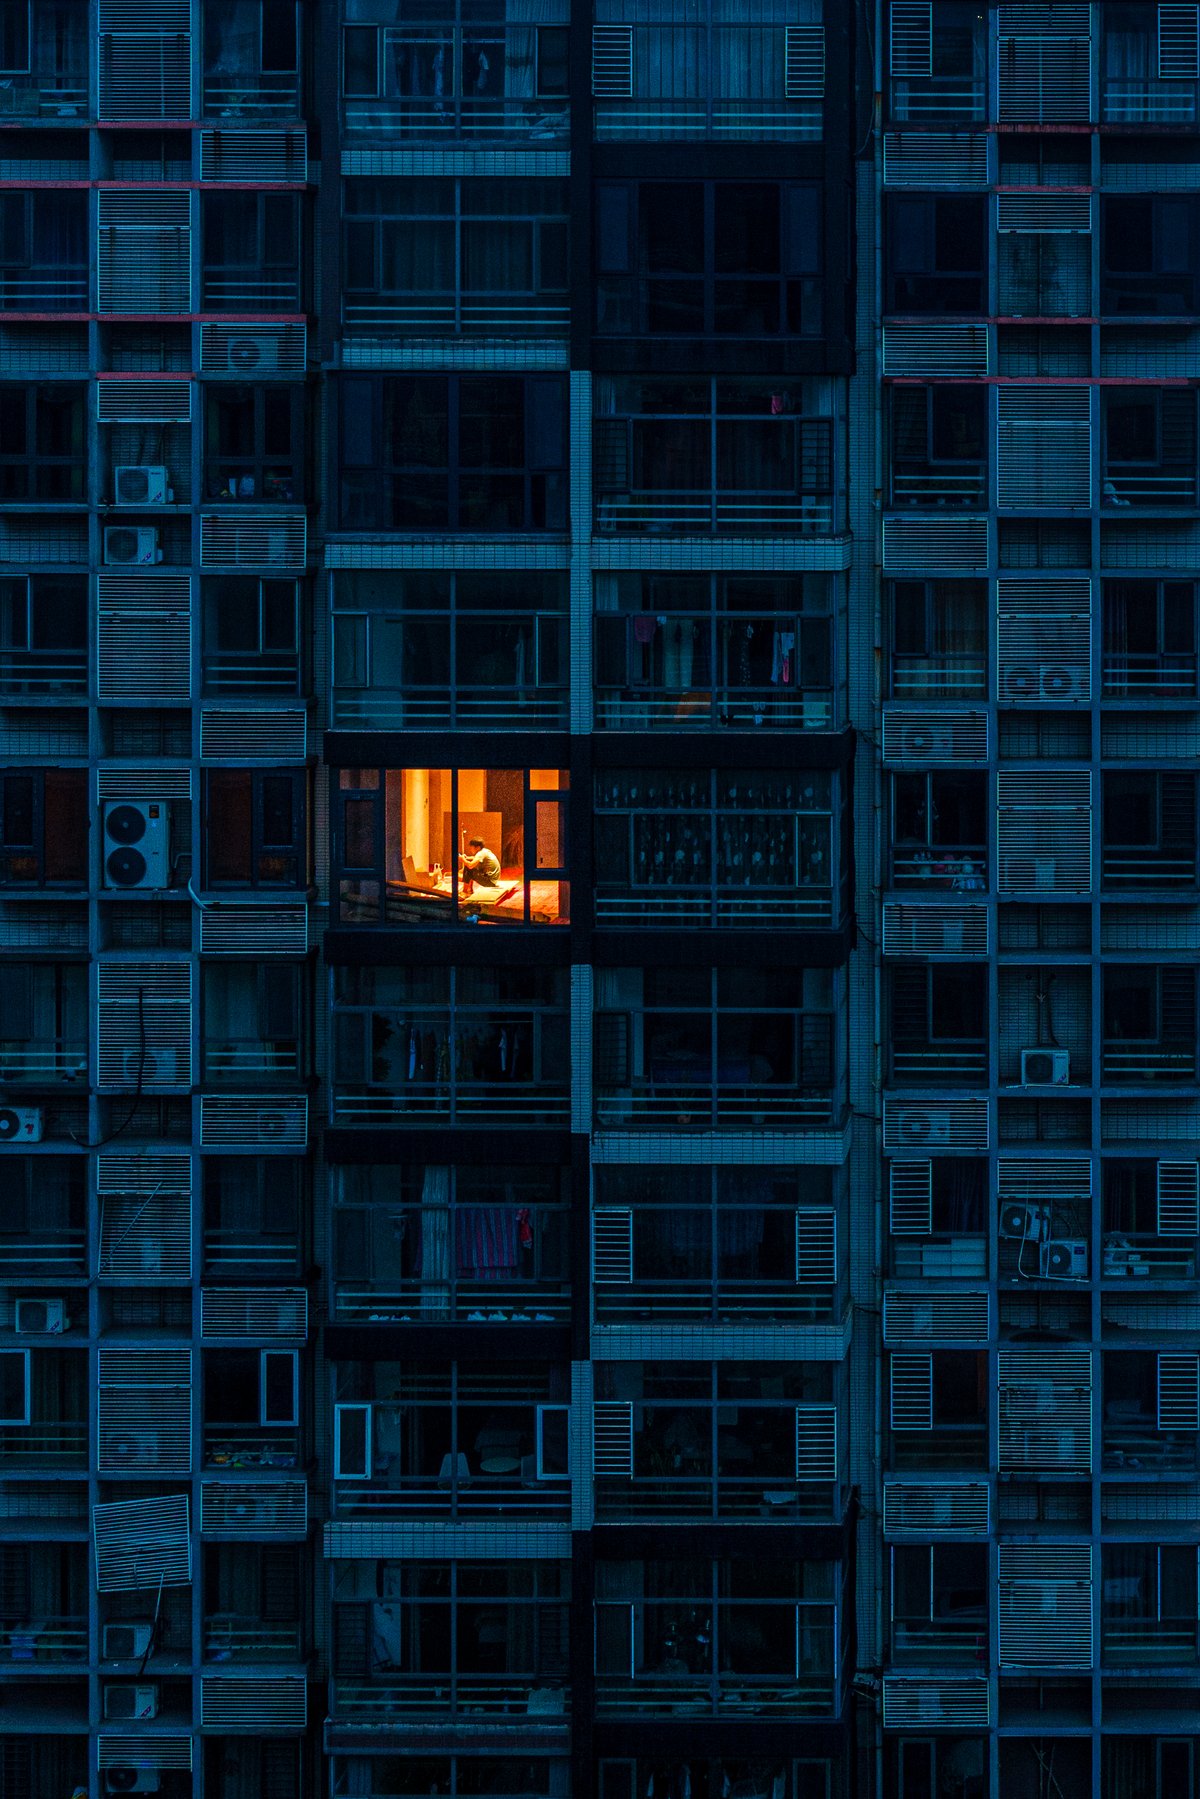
(912, 1392)
(612, 1437)
(1179, 1199)
(816, 1246)
(816, 1443)
(612, 62)
(910, 1198)
(804, 62)
(612, 1248)
(1179, 43)
(1179, 1392)
(911, 39)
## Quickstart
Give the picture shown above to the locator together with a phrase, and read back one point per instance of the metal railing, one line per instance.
(61, 93)
(44, 1445)
(661, 1499)
(426, 1496)
(476, 1302)
(955, 1060)
(249, 674)
(961, 1447)
(1143, 675)
(794, 121)
(1157, 488)
(479, 708)
(1148, 868)
(943, 677)
(631, 706)
(230, 1252)
(1126, 1256)
(229, 1636)
(1141, 1446)
(44, 1255)
(250, 292)
(43, 672)
(932, 487)
(230, 1446)
(540, 121)
(455, 1102)
(962, 869)
(252, 95)
(45, 1640)
(509, 315)
(1147, 102)
(44, 290)
(659, 509)
(669, 1104)
(251, 1060)
(1158, 1640)
(44, 1062)
(380, 1700)
(946, 97)
(796, 907)
(718, 1301)
(937, 1640)
(1122, 1061)
(942, 1253)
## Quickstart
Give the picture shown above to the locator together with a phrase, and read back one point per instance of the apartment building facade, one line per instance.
(598, 899)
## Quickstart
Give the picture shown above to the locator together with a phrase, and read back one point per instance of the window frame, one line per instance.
(262, 851)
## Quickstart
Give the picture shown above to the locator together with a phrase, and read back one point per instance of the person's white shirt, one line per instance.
(483, 866)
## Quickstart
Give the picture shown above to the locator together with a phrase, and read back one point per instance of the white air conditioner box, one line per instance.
(1064, 1259)
(127, 1779)
(253, 353)
(137, 843)
(1045, 1067)
(141, 485)
(130, 1701)
(131, 546)
(127, 1642)
(1025, 1223)
(20, 1124)
(41, 1317)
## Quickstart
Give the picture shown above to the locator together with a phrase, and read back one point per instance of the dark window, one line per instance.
(256, 828)
(15, 36)
(251, 637)
(465, 453)
(251, 251)
(43, 452)
(935, 253)
(43, 634)
(44, 827)
(254, 443)
(738, 258)
(43, 251)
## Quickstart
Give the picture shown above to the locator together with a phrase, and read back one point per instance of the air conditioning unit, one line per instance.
(270, 1125)
(924, 1124)
(1021, 682)
(131, 546)
(158, 1067)
(1058, 684)
(924, 740)
(144, 485)
(127, 1642)
(126, 1779)
(137, 1448)
(253, 354)
(137, 843)
(20, 1124)
(41, 1317)
(1045, 1067)
(131, 1701)
(1027, 1223)
(1064, 1258)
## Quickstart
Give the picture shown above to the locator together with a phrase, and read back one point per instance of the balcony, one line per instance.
(1144, 100)
(1133, 1443)
(944, 1448)
(57, 287)
(234, 1447)
(916, 484)
(1146, 869)
(745, 513)
(669, 1101)
(723, 1498)
(49, 1252)
(955, 1635)
(1147, 1257)
(232, 1637)
(468, 1699)
(51, 1640)
(940, 1061)
(252, 1060)
(1151, 1060)
(43, 674)
(660, 1659)
(44, 1062)
(506, 313)
(693, 671)
(1130, 1641)
(251, 96)
(498, 1263)
(46, 1445)
(945, 675)
(1162, 489)
(1145, 675)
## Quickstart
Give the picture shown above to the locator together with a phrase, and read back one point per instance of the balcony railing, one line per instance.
(49, 93)
(474, 1302)
(49, 1445)
(44, 1255)
(231, 1446)
(1146, 676)
(730, 1695)
(251, 96)
(542, 1102)
(1122, 1061)
(1131, 1257)
(962, 869)
(224, 673)
(660, 509)
(951, 97)
(938, 487)
(957, 1060)
(941, 1254)
(808, 908)
(687, 1498)
(946, 1446)
(668, 1105)
(507, 314)
(231, 1637)
(250, 292)
(793, 121)
(1153, 488)
(1133, 868)
(454, 1695)
(231, 1253)
(436, 1496)
(932, 1641)
(44, 1063)
(448, 117)
(52, 289)
(44, 673)
(251, 1060)
(1126, 101)
(632, 707)
(944, 677)
(500, 708)
(1160, 1641)
(720, 1301)
(45, 1640)
(1138, 1444)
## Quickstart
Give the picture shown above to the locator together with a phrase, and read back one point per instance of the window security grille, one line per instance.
(1044, 830)
(612, 1248)
(1179, 1199)
(1044, 63)
(145, 1236)
(1045, 1409)
(816, 1443)
(941, 349)
(1179, 43)
(1044, 213)
(142, 1543)
(910, 1198)
(612, 62)
(253, 350)
(142, 1751)
(804, 62)
(144, 251)
(925, 1704)
(253, 1703)
(143, 402)
(144, 638)
(144, 1411)
(1045, 1610)
(816, 1246)
(612, 1438)
(1043, 447)
(935, 1508)
(948, 1317)
(124, 782)
(930, 931)
(267, 540)
(911, 39)
(1043, 641)
(144, 1030)
(1179, 1392)
(1036, 1181)
(929, 546)
(912, 1392)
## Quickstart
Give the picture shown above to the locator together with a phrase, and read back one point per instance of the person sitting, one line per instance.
(482, 866)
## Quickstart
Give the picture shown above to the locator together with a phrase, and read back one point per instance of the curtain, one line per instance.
(435, 1243)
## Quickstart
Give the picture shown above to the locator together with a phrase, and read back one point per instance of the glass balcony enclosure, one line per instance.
(939, 640)
(44, 1023)
(436, 846)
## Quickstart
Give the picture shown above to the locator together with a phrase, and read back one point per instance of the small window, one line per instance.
(552, 42)
(15, 36)
(14, 1386)
(552, 1442)
(279, 1386)
(352, 1442)
(256, 829)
